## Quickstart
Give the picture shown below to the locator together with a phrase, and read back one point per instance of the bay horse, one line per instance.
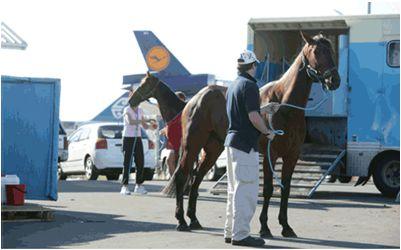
(313, 64)
(204, 125)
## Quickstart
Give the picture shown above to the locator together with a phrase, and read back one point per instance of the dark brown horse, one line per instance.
(204, 125)
(314, 63)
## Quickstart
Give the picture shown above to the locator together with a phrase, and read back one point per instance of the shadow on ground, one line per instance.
(71, 229)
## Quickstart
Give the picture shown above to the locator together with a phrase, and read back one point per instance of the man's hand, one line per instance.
(270, 135)
(270, 108)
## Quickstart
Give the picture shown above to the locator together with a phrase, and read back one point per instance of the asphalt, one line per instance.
(92, 214)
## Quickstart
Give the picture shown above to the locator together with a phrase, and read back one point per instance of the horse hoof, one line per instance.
(195, 226)
(266, 234)
(288, 233)
(183, 228)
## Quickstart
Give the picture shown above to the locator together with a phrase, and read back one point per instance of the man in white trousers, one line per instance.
(245, 127)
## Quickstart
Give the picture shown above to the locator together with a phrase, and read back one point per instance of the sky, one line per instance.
(89, 45)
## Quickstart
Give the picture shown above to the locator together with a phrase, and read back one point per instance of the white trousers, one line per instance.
(242, 192)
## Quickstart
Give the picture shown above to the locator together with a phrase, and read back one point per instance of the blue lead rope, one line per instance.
(281, 132)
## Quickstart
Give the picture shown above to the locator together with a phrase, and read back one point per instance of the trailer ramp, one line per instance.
(314, 164)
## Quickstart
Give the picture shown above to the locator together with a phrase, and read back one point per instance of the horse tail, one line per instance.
(170, 190)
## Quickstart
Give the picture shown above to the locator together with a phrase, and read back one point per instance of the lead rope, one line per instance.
(281, 132)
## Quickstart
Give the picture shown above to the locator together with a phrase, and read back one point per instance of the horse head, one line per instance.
(144, 91)
(318, 58)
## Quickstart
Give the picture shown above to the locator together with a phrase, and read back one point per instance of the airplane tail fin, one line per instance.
(113, 112)
(157, 56)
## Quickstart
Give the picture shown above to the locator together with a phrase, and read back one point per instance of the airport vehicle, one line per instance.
(362, 117)
(95, 149)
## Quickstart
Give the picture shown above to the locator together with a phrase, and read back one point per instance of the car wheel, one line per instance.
(113, 177)
(386, 175)
(91, 172)
(214, 173)
(60, 174)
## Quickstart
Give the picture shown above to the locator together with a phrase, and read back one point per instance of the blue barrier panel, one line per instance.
(29, 131)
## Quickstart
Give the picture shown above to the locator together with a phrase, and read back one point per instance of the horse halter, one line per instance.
(314, 73)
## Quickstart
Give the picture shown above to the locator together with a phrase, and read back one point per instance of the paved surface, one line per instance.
(92, 214)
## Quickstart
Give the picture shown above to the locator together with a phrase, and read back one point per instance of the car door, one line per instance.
(81, 149)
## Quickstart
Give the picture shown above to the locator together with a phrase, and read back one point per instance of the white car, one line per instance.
(214, 173)
(96, 149)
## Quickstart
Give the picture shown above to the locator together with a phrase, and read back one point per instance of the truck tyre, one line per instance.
(91, 173)
(386, 175)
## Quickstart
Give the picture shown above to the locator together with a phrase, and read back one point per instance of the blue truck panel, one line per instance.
(374, 114)
(29, 131)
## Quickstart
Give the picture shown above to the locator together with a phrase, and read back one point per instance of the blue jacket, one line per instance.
(242, 98)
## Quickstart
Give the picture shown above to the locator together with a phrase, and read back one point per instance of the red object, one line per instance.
(174, 133)
(101, 144)
(151, 144)
(15, 194)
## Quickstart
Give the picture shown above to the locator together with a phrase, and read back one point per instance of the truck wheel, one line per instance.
(91, 173)
(386, 175)
(60, 174)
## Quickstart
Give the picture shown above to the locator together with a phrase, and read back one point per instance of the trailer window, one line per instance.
(393, 54)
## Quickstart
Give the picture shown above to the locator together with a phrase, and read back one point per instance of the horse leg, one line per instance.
(267, 194)
(213, 149)
(286, 175)
(181, 177)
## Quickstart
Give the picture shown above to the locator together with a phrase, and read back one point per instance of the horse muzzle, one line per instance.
(332, 79)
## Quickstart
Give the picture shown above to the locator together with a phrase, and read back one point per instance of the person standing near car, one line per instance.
(245, 127)
(173, 138)
(133, 148)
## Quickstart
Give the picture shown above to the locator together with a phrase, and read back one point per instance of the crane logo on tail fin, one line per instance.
(118, 107)
(158, 58)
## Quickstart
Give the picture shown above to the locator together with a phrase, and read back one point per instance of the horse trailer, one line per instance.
(362, 117)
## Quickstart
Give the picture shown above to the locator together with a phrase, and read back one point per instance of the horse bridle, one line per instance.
(314, 73)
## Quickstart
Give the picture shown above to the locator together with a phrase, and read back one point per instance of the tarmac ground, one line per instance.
(93, 214)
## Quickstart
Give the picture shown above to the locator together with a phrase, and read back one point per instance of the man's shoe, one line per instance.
(125, 190)
(249, 242)
(227, 240)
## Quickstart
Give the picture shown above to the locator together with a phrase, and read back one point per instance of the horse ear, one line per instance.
(306, 38)
(148, 74)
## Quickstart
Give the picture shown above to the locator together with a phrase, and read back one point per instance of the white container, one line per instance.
(7, 180)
